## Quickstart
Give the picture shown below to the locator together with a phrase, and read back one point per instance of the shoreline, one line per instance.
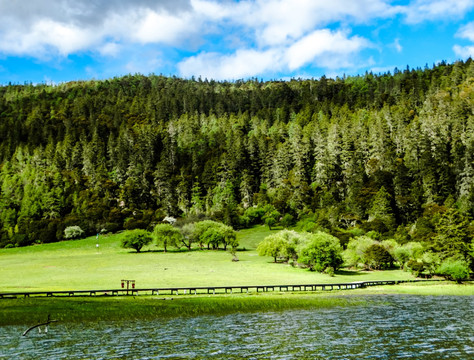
(26, 311)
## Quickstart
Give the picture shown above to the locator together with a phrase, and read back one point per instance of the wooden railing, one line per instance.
(196, 290)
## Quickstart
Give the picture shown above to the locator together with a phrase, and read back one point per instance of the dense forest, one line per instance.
(390, 153)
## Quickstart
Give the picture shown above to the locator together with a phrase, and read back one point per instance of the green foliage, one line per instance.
(354, 255)
(380, 152)
(453, 236)
(431, 261)
(415, 267)
(136, 239)
(377, 257)
(275, 246)
(282, 245)
(271, 218)
(287, 220)
(454, 269)
(73, 232)
(307, 225)
(322, 251)
(167, 235)
(213, 234)
(381, 208)
(254, 214)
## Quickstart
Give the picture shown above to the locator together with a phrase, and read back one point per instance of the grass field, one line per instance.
(80, 264)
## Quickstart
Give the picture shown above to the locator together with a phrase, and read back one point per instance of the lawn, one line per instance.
(80, 265)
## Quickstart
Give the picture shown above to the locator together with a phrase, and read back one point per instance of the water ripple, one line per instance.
(392, 327)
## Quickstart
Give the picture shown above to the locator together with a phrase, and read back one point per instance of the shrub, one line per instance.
(136, 239)
(454, 269)
(431, 261)
(254, 214)
(330, 271)
(271, 218)
(132, 223)
(377, 257)
(111, 227)
(282, 245)
(308, 225)
(354, 255)
(287, 220)
(73, 232)
(320, 252)
(415, 267)
(374, 235)
(21, 240)
(274, 246)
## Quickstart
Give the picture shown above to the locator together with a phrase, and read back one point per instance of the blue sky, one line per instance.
(63, 40)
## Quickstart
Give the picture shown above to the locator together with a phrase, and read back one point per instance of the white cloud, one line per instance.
(422, 10)
(326, 49)
(110, 49)
(241, 64)
(254, 36)
(467, 31)
(397, 45)
(330, 49)
(64, 27)
(279, 22)
(43, 35)
(464, 52)
(163, 27)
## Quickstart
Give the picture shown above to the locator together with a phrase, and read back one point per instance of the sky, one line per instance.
(54, 41)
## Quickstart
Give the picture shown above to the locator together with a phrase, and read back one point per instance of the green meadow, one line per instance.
(81, 265)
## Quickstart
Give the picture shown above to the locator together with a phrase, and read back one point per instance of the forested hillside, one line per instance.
(391, 153)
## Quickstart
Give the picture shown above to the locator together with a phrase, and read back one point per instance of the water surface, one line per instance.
(390, 327)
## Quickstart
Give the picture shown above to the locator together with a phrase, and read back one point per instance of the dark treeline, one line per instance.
(390, 153)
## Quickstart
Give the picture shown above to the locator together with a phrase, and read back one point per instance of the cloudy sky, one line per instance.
(62, 40)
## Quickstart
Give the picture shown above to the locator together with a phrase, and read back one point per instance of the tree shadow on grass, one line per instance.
(348, 272)
(172, 251)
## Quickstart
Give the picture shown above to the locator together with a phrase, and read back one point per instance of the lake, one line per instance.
(388, 327)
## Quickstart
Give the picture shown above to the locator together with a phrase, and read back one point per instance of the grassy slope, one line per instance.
(80, 265)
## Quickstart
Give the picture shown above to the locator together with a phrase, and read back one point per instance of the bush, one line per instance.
(377, 257)
(254, 214)
(21, 240)
(282, 245)
(415, 267)
(374, 235)
(136, 239)
(330, 271)
(320, 252)
(111, 227)
(454, 269)
(271, 218)
(287, 220)
(354, 255)
(132, 223)
(308, 225)
(73, 232)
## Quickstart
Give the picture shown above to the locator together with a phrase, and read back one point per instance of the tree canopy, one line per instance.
(389, 153)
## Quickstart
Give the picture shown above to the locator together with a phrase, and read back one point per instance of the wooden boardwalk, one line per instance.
(199, 290)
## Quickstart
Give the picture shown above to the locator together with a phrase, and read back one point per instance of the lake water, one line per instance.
(390, 327)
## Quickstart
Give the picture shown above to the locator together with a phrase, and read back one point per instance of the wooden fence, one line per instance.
(196, 290)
